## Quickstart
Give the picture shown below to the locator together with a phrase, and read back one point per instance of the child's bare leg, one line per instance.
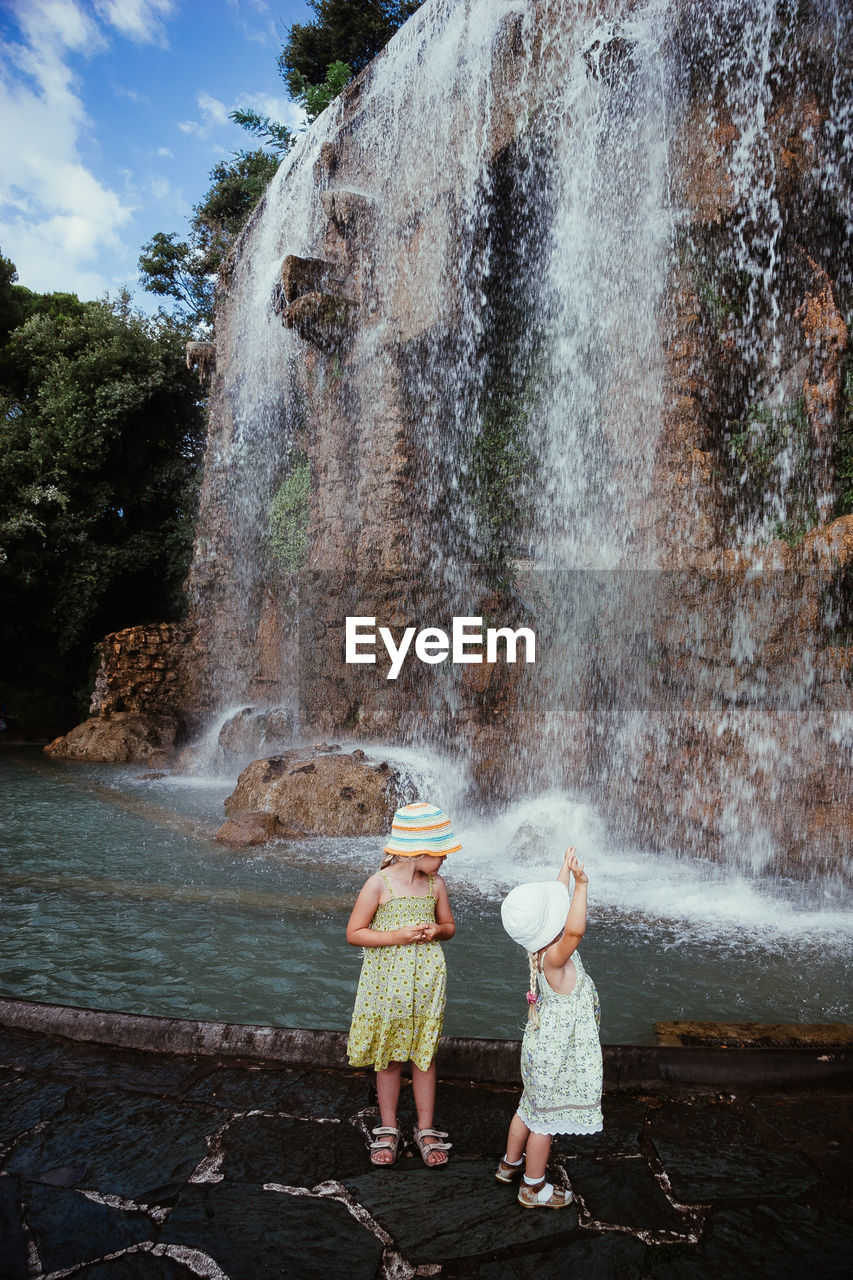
(423, 1087)
(516, 1139)
(538, 1149)
(388, 1095)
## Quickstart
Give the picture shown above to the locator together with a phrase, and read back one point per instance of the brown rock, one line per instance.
(121, 738)
(245, 829)
(333, 794)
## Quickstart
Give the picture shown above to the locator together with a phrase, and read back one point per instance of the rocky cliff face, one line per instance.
(549, 293)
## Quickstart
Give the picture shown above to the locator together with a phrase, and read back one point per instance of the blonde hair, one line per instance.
(388, 859)
(533, 990)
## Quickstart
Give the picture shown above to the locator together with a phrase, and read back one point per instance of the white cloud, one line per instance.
(166, 151)
(214, 114)
(55, 215)
(140, 20)
(132, 95)
(277, 108)
(214, 111)
(258, 25)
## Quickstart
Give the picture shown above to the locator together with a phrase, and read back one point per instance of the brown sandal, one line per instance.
(528, 1197)
(387, 1139)
(426, 1147)
(506, 1171)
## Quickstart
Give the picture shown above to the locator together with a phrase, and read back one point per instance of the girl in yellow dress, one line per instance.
(400, 918)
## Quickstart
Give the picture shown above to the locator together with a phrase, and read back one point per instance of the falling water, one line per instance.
(562, 339)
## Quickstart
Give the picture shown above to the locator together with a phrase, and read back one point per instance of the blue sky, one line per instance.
(112, 113)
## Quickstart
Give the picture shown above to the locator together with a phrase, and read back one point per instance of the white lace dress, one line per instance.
(561, 1060)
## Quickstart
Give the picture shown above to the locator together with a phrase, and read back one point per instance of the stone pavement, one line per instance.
(120, 1164)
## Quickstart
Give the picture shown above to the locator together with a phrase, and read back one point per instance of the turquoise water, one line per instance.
(114, 895)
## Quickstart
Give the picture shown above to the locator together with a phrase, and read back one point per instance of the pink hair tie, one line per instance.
(532, 997)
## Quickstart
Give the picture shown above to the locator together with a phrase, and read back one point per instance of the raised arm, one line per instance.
(575, 925)
(359, 932)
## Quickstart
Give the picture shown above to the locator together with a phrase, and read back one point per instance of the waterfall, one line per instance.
(550, 305)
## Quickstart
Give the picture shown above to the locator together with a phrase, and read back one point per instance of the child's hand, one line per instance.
(429, 932)
(412, 933)
(575, 867)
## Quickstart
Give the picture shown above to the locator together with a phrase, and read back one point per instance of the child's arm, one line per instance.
(563, 875)
(445, 926)
(575, 925)
(359, 932)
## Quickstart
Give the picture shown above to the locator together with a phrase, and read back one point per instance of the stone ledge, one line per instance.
(647, 1067)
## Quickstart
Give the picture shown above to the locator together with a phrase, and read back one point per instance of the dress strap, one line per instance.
(387, 884)
(431, 880)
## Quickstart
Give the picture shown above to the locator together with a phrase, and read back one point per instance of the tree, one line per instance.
(342, 32)
(185, 270)
(316, 97)
(172, 268)
(100, 444)
(273, 133)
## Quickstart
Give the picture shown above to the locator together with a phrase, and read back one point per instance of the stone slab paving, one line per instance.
(125, 1165)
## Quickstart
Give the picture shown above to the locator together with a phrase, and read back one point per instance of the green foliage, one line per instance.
(238, 185)
(500, 468)
(272, 132)
(722, 288)
(844, 446)
(316, 97)
(101, 433)
(18, 304)
(770, 453)
(289, 512)
(172, 268)
(185, 270)
(342, 33)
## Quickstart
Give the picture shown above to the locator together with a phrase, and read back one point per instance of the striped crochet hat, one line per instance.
(421, 828)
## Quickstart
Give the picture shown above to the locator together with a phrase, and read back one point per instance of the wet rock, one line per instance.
(732, 1159)
(476, 1122)
(785, 1242)
(254, 1234)
(624, 1193)
(201, 356)
(303, 275)
(139, 1148)
(12, 1236)
(593, 1257)
(623, 1127)
(139, 1266)
(24, 1103)
(320, 1095)
(348, 210)
(70, 1228)
(319, 794)
(295, 1153)
(150, 669)
(246, 829)
(120, 738)
(469, 1213)
(322, 319)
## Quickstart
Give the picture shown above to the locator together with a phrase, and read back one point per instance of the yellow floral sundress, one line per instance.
(399, 1005)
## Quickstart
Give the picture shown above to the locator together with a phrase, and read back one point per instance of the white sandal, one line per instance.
(387, 1139)
(425, 1147)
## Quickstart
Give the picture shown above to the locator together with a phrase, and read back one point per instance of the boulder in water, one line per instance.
(250, 828)
(311, 792)
(125, 737)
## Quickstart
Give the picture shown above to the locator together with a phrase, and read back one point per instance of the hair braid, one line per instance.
(388, 859)
(533, 990)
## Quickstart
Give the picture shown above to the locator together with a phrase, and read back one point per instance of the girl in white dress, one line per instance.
(561, 1063)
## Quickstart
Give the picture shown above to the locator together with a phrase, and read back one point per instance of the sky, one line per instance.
(112, 113)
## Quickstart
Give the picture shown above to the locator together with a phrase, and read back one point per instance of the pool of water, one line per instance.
(115, 895)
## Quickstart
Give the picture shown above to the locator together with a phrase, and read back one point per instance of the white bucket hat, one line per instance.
(534, 914)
